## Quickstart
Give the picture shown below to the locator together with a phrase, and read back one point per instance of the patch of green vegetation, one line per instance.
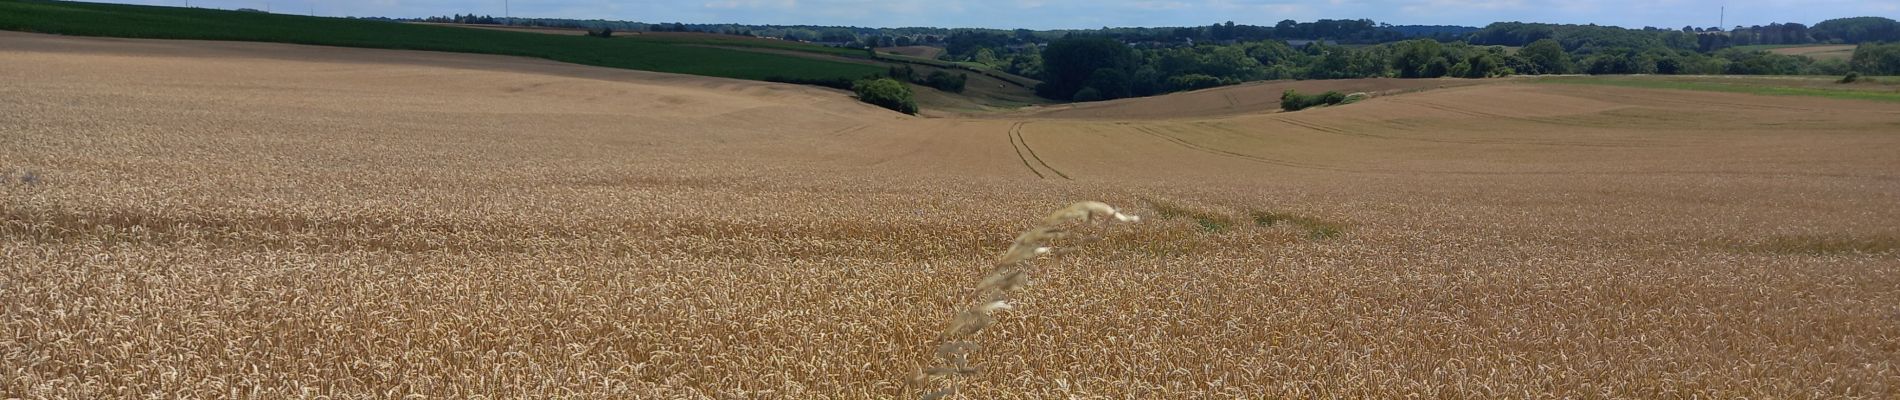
(1292, 100)
(1822, 245)
(1315, 228)
(1208, 221)
(887, 93)
(746, 42)
(1750, 86)
(648, 54)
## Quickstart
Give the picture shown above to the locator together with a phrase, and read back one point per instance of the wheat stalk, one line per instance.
(994, 290)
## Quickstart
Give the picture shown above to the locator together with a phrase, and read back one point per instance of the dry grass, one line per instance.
(220, 220)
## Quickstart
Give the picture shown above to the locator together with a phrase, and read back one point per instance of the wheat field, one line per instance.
(227, 220)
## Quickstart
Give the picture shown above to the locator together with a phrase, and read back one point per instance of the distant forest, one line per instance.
(1109, 63)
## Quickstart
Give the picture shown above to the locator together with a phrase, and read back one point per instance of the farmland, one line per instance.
(226, 219)
(1875, 89)
(648, 54)
(1819, 52)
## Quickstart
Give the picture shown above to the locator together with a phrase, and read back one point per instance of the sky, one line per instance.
(1085, 14)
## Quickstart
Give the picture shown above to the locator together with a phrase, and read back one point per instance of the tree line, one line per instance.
(1087, 68)
(1108, 63)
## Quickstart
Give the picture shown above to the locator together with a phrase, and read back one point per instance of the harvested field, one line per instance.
(193, 219)
(1835, 52)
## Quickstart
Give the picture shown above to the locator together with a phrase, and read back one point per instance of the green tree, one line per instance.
(1546, 56)
(1857, 30)
(1026, 64)
(1435, 68)
(1415, 59)
(1068, 64)
(1876, 59)
(1109, 83)
(986, 57)
(1482, 65)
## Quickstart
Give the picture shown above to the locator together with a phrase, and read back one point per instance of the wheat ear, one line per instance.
(994, 291)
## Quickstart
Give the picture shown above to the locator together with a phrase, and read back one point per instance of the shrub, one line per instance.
(602, 33)
(902, 73)
(887, 93)
(1851, 77)
(1192, 82)
(1087, 94)
(1331, 98)
(1292, 100)
(946, 82)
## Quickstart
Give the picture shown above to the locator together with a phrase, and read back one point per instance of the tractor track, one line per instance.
(1017, 129)
(1021, 145)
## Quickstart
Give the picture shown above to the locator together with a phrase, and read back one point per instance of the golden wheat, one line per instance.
(230, 220)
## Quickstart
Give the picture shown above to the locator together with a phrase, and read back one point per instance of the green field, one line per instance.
(676, 56)
(1879, 89)
(745, 42)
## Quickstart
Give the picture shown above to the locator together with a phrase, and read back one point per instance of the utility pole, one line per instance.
(506, 14)
(1723, 21)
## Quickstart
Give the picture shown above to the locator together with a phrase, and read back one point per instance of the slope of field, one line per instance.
(93, 19)
(196, 219)
(1841, 52)
(924, 52)
(507, 28)
(1874, 89)
(1247, 98)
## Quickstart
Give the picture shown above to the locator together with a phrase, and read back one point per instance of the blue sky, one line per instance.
(1058, 14)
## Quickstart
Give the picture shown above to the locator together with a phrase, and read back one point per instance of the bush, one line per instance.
(1331, 98)
(1087, 94)
(1192, 82)
(887, 93)
(1876, 59)
(946, 82)
(902, 73)
(1292, 100)
(602, 33)
(1834, 67)
(1851, 77)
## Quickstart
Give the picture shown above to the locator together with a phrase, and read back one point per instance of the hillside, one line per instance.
(1840, 52)
(92, 19)
(190, 219)
(1250, 98)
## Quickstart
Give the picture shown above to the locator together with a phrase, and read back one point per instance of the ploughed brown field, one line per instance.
(210, 220)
